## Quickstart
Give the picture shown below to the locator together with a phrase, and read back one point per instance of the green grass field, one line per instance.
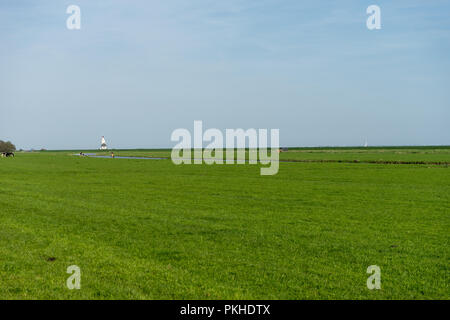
(147, 229)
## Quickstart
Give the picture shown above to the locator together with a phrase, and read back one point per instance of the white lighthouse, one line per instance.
(103, 146)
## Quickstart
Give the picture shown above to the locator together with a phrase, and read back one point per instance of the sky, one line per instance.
(138, 70)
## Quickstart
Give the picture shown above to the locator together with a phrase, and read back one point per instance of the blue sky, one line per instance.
(137, 70)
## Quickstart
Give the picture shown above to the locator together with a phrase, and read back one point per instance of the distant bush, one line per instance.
(7, 146)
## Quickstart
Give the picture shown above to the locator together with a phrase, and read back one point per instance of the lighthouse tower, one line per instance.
(103, 145)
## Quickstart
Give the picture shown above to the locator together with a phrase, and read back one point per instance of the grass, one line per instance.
(147, 229)
(374, 154)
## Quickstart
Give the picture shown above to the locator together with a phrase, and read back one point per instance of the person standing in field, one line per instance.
(112, 155)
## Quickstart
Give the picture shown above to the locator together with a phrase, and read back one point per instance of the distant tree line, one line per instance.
(7, 146)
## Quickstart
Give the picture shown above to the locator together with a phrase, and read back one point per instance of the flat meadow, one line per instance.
(149, 229)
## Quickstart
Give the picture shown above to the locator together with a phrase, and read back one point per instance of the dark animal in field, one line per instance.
(8, 154)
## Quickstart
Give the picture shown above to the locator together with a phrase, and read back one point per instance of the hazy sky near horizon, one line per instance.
(137, 70)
